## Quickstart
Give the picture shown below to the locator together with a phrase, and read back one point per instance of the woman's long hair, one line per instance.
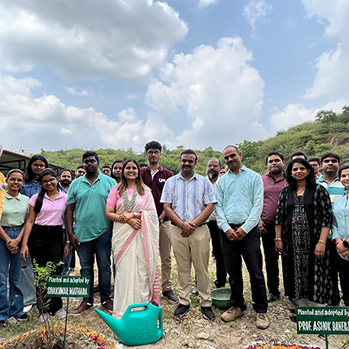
(139, 181)
(40, 198)
(112, 166)
(310, 179)
(29, 174)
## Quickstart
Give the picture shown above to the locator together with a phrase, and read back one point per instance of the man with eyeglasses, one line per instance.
(188, 200)
(2, 182)
(64, 181)
(155, 177)
(213, 170)
(88, 198)
(330, 163)
(106, 170)
(239, 206)
(80, 171)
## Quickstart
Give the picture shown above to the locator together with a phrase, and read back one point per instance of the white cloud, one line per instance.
(256, 11)
(74, 92)
(88, 39)
(332, 66)
(203, 3)
(217, 89)
(295, 114)
(45, 122)
(292, 115)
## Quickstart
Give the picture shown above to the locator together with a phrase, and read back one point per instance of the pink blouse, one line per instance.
(114, 198)
(52, 211)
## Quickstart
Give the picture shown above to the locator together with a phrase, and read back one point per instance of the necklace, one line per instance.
(129, 204)
(301, 191)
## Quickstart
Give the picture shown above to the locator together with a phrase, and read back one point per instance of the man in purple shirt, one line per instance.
(154, 176)
(274, 181)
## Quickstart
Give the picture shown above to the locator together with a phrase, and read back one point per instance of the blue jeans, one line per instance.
(10, 268)
(101, 247)
(66, 260)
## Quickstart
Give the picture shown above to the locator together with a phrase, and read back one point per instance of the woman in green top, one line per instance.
(15, 209)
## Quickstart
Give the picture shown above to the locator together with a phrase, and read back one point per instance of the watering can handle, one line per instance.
(137, 305)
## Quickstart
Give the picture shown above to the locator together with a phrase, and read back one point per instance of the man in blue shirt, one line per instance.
(330, 163)
(239, 206)
(188, 201)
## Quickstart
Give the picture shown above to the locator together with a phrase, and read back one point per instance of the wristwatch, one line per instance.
(135, 214)
(161, 220)
(345, 243)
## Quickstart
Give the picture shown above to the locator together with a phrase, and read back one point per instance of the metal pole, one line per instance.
(66, 321)
(325, 340)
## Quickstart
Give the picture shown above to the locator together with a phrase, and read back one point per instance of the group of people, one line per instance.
(131, 214)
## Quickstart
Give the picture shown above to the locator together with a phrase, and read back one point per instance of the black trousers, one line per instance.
(249, 249)
(221, 273)
(271, 259)
(334, 260)
(46, 245)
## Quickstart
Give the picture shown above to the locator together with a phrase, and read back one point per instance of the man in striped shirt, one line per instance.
(188, 200)
(330, 163)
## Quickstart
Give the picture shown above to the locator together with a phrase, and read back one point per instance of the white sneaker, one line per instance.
(27, 308)
(60, 314)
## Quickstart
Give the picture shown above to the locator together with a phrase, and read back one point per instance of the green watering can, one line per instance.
(140, 324)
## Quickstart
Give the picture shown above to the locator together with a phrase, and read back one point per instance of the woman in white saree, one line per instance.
(135, 240)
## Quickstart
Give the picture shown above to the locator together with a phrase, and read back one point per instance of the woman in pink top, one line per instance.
(43, 236)
(135, 240)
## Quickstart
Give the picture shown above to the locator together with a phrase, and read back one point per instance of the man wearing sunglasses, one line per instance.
(80, 171)
(239, 206)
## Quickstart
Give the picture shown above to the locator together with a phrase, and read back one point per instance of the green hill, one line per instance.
(330, 132)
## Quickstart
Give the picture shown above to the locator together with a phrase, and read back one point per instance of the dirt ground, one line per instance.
(193, 331)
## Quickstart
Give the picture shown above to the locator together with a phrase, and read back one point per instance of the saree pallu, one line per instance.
(135, 255)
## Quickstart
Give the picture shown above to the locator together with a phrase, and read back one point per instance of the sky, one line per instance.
(198, 73)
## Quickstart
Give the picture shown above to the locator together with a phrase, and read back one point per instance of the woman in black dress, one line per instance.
(303, 222)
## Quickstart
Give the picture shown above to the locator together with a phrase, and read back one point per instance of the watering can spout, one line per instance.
(111, 321)
(141, 324)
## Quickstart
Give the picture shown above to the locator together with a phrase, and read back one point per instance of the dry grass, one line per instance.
(185, 332)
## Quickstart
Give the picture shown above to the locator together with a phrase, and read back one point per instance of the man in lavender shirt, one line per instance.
(273, 181)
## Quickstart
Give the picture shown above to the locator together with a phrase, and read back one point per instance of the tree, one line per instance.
(326, 116)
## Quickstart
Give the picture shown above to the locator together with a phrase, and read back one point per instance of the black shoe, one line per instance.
(195, 291)
(181, 310)
(23, 317)
(2, 323)
(170, 296)
(272, 298)
(208, 313)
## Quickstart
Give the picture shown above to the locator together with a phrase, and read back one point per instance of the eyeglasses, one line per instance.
(51, 180)
(156, 152)
(14, 180)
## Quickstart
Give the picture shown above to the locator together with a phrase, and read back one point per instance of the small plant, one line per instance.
(345, 344)
(41, 277)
